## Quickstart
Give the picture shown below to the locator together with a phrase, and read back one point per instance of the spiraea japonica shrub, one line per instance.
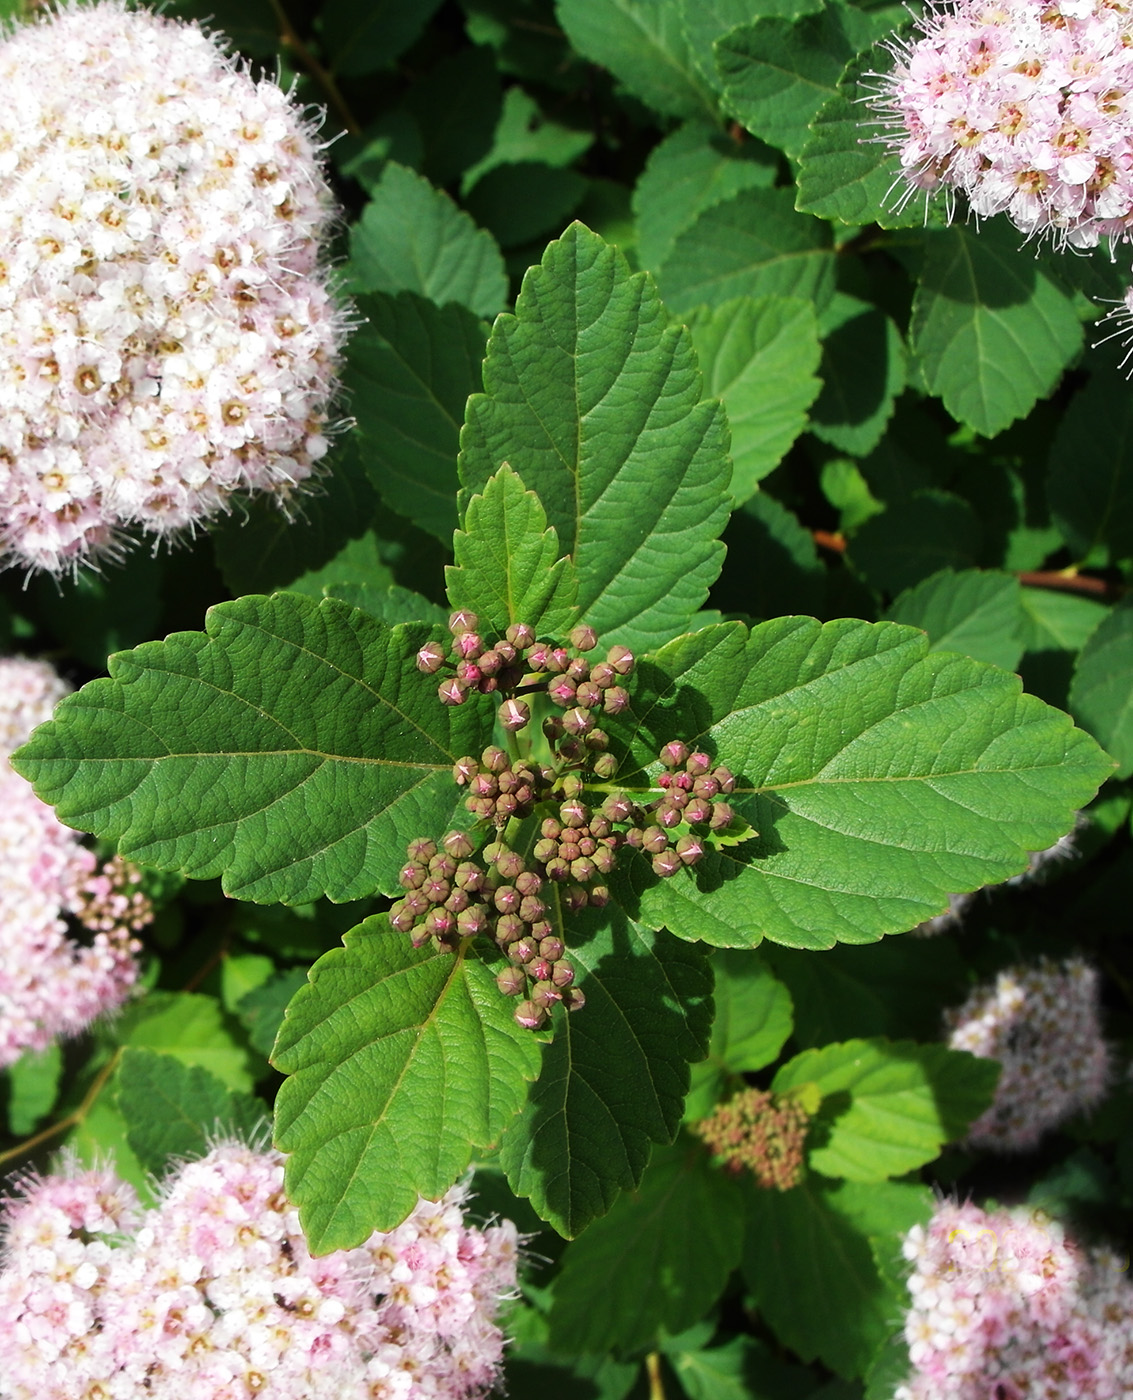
(622, 759)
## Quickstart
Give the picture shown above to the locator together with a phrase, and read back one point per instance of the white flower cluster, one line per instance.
(213, 1295)
(1043, 1023)
(50, 985)
(167, 338)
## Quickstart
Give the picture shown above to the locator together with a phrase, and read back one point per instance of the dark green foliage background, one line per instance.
(918, 436)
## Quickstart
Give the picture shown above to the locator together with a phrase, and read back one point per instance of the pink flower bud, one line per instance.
(495, 759)
(724, 777)
(515, 715)
(616, 700)
(578, 721)
(588, 695)
(411, 876)
(537, 657)
(512, 981)
(458, 845)
(603, 675)
(464, 770)
(562, 975)
(520, 635)
(674, 754)
(452, 692)
(490, 663)
(574, 813)
(621, 659)
(698, 811)
(473, 921)
(722, 816)
(574, 998)
(462, 621)
(666, 864)
(467, 645)
(510, 928)
(430, 658)
(690, 849)
(530, 1016)
(551, 948)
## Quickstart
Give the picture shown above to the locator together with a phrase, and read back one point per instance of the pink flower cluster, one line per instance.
(167, 338)
(50, 985)
(1043, 1023)
(1025, 107)
(213, 1295)
(1005, 1307)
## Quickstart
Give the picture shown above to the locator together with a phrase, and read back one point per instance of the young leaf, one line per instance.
(992, 332)
(507, 562)
(777, 72)
(694, 167)
(33, 1086)
(191, 1028)
(616, 1073)
(905, 1102)
(1101, 695)
(750, 245)
(412, 238)
(863, 371)
(881, 777)
(596, 401)
(753, 1012)
(808, 1261)
(410, 368)
(292, 747)
(401, 1062)
(177, 1110)
(976, 612)
(642, 43)
(759, 355)
(663, 1254)
(1091, 468)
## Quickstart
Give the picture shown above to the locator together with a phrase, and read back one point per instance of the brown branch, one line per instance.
(656, 1380)
(72, 1119)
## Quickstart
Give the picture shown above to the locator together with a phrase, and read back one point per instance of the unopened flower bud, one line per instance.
(506, 808)
(430, 658)
(494, 759)
(551, 948)
(597, 741)
(484, 785)
(674, 754)
(482, 808)
(664, 781)
(706, 787)
(506, 652)
(583, 637)
(616, 700)
(604, 860)
(654, 840)
(435, 889)
(588, 695)
(617, 807)
(558, 869)
(570, 748)
(721, 817)
(510, 928)
(545, 849)
(599, 896)
(573, 813)
(540, 931)
(621, 659)
(666, 864)
(578, 721)
(443, 864)
(634, 837)
(421, 850)
(546, 994)
(473, 921)
(512, 981)
(506, 899)
(551, 829)
(697, 763)
(411, 876)
(603, 675)
(578, 669)
(690, 849)
(562, 975)
(558, 659)
(457, 845)
(490, 663)
(464, 770)
(494, 849)
(468, 876)
(515, 715)
(440, 923)
(401, 919)
(561, 691)
(458, 901)
(575, 898)
(468, 673)
(582, 870)
(462, 621)
(520, 635)
(416, 903)
(452, 692)
(574, 998)
(668, 813)
(600, 826)
(536, 657)
(531, 908)
(524, 950)
(527, 882)
(698, 811)
(726, 780)
(572, 785)
(510, 865)
(467, 645)
(682, 782)
(540, 969)
(530, 1016)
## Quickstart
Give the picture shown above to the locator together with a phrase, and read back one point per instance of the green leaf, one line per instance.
(759, 355)
(519, 201)
(596, 401)
(524, 133)
(772, 566)
(895, 988)
(863, 371)
(616, 1073)
(808, 1261)
(882, 778)
(401, 1062)
(101, 1137)
(642, 43)
(778, 72)
(740, 1369)
(991, 331)
(292, 748)
(261, 1010)
(410, 369)
(979, 613)
(412, 238)
(694, 167)
(915, 538)
(241, 973)
(663, 1255)
(750, 245)
(848, 172)
(362, 36)
(1056, 626)
(33, 1086)
(173, 1109)
(507, 562)
(706, 21)
(192, 1029)
(754, 1015)
(1090, 487)
(457, 105)
(905, 1102)
(1101, 695)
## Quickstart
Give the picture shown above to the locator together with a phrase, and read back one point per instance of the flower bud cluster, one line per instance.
(1003, 1304)
(498, 788)
(693, 793)
(51, 983)
(1043, 1023)
(519, 662)
(213, 1295)
(761, 1132)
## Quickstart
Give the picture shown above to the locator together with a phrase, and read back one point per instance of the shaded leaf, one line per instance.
(361, 38)
(190, 1028)
(518, 201)
(750, 245)
(991, 331)
(401, 1062)
(615, 1075)
(912, 539)
(410, 370)
(863, 371)
(759, 355)
(1101, 695)
(33, 1086)
(508, 567)
(979, 613)
(292, 748)
(596, 401)
(261, 1010)
(1090, 486)
(412, 238)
